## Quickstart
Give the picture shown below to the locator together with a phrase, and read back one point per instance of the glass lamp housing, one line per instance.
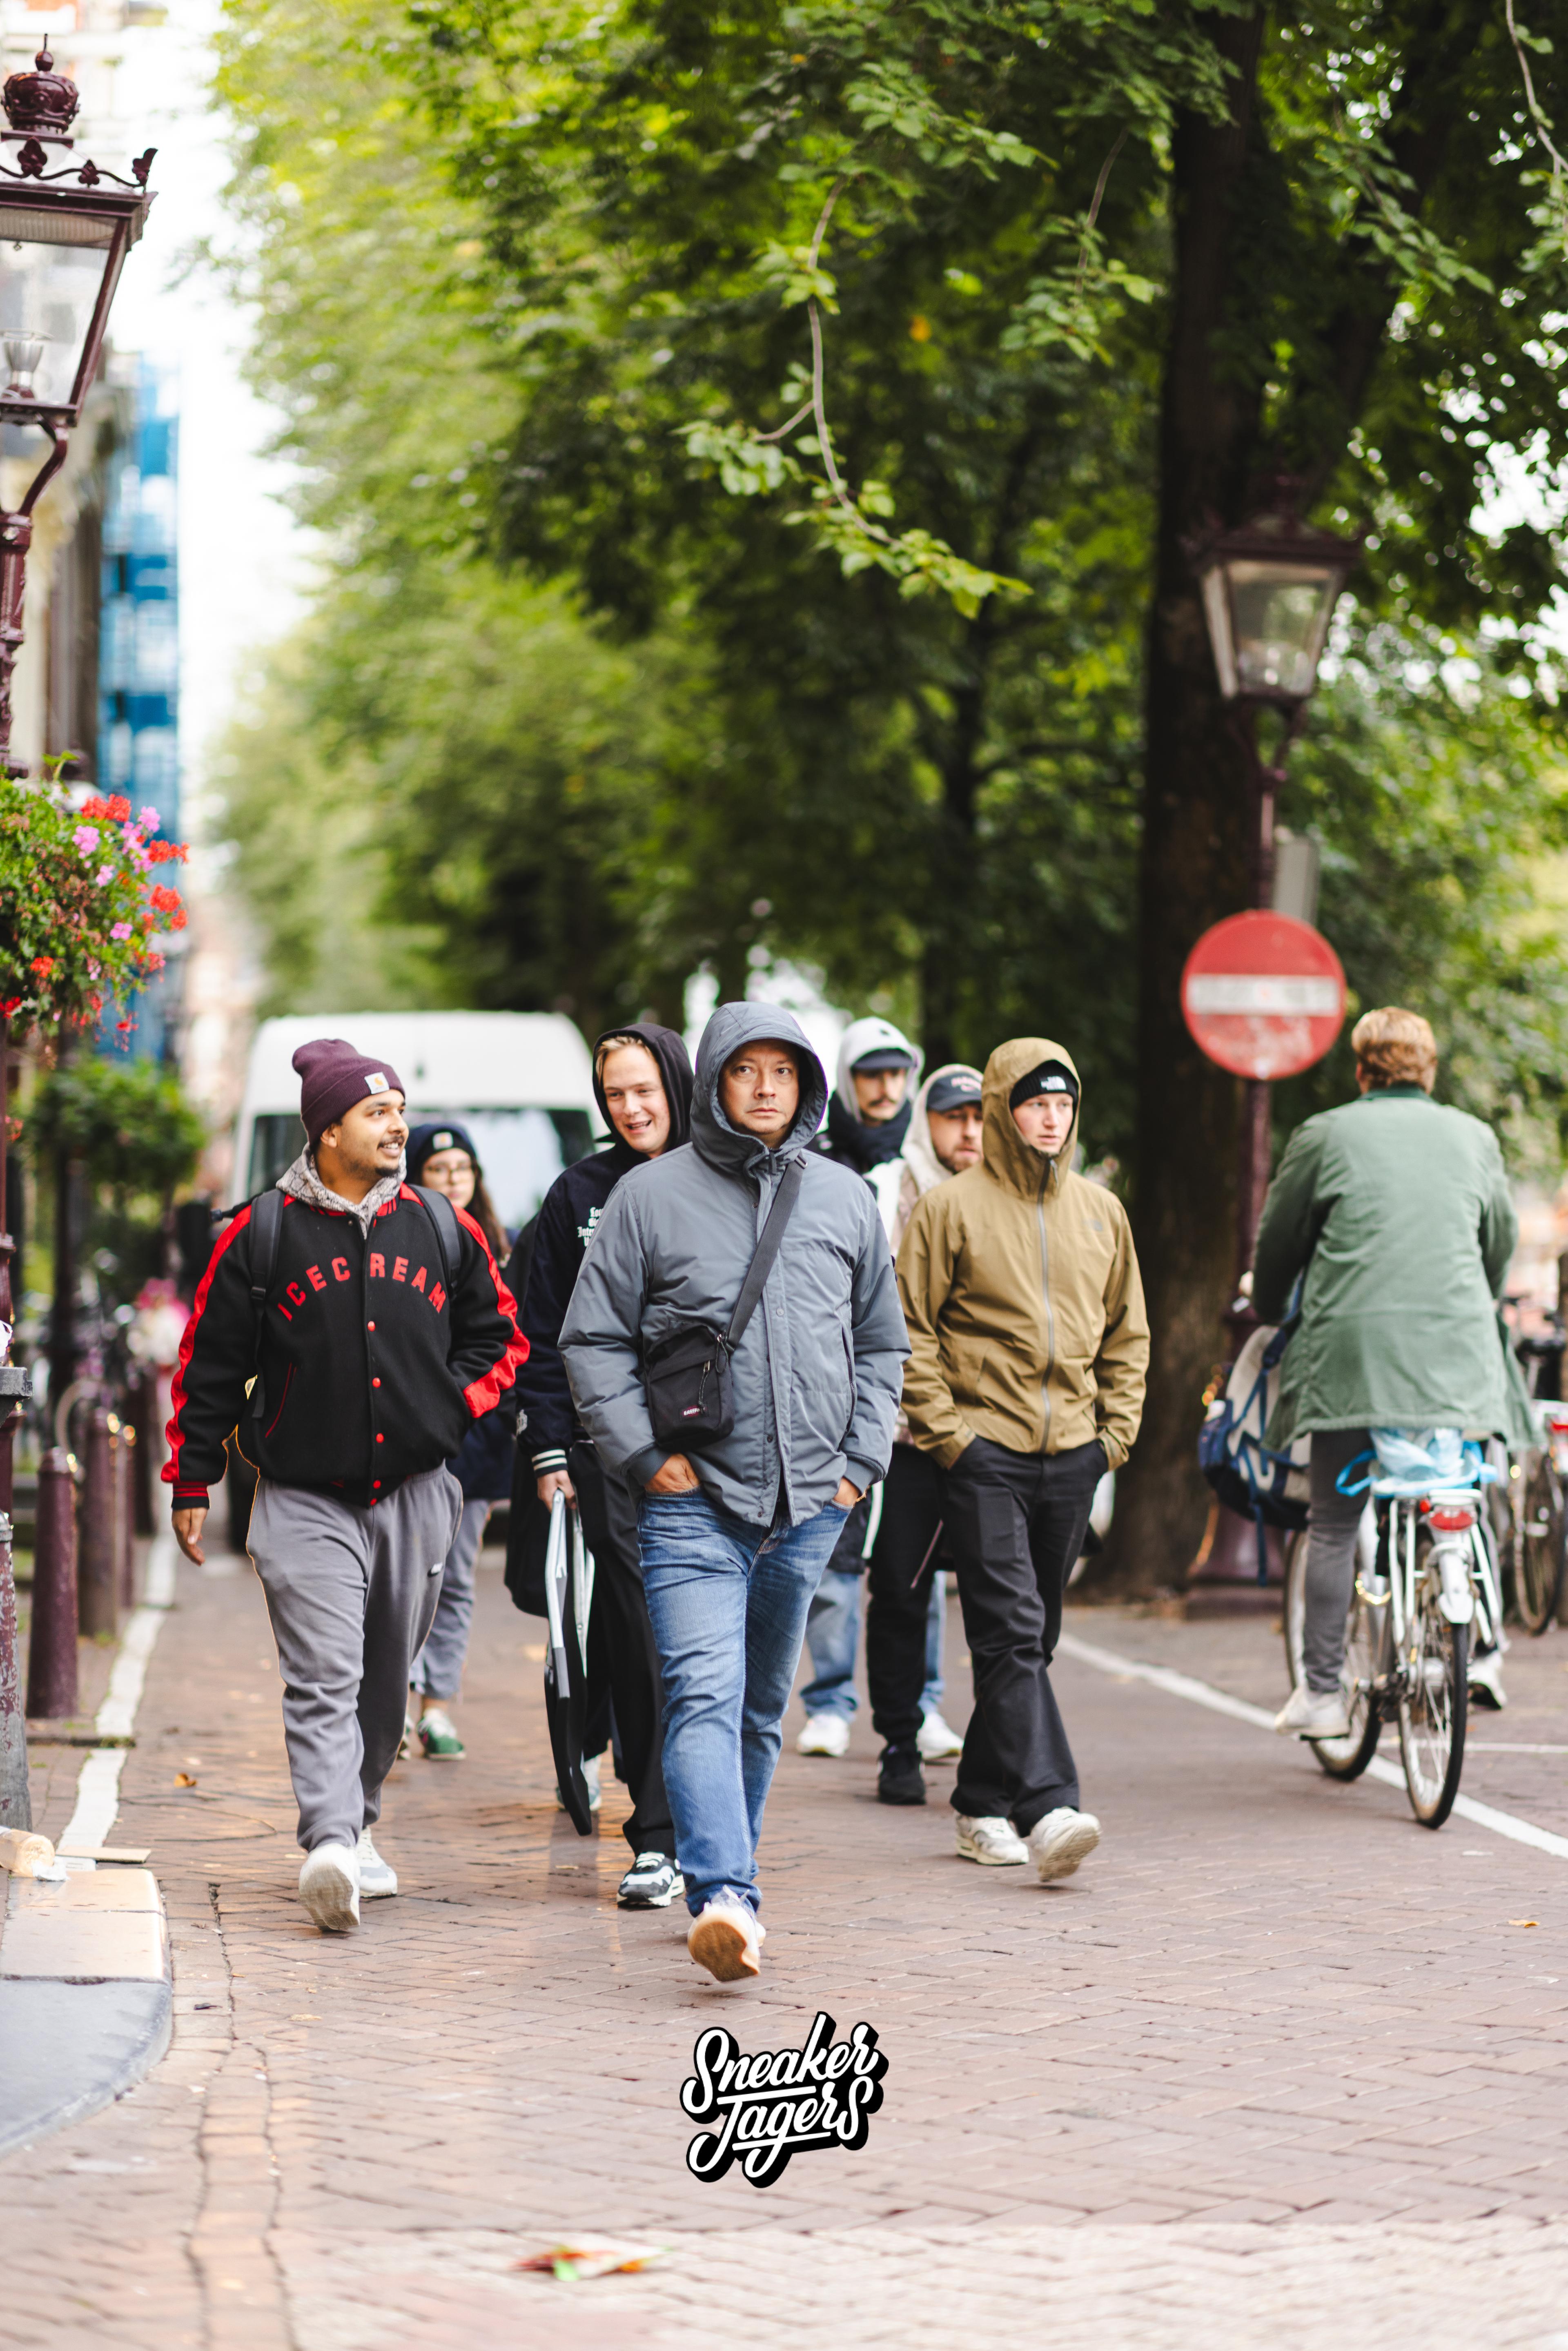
(1268, 594)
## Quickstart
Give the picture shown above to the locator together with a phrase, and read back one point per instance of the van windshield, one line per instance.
(521, 1151)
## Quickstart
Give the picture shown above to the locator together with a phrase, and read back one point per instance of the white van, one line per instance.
(521, 1082)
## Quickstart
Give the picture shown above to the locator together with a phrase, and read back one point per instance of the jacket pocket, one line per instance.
(282, 1401)
(849, 1378)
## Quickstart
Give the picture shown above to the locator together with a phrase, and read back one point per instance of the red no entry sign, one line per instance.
(1264, 995)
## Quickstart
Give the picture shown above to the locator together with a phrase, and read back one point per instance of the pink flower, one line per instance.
(105, 873)
(85, 837)
(151, 820)
(120, 931)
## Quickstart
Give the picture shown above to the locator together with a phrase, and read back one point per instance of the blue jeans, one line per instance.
(832, 1629)
(728, 1603)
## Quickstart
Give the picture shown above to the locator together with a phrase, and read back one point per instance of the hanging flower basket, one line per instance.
(82, 908)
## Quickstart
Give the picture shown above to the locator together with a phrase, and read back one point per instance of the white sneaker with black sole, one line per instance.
(378, 1878)
(1061, 1841)
(990, 1839)
(329, 1888)
(652, 1882)
(726, 1938)
(1485, 1679)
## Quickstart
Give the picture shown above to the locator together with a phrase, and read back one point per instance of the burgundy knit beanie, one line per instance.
(333, 1076)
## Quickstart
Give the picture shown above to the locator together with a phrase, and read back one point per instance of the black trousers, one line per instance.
(902, 1562)
(620, 1646)
(1015, 1524)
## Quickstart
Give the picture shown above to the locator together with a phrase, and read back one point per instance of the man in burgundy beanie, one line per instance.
(348, 1329)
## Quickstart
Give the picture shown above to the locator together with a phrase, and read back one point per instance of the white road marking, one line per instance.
(97, 1783)
(1197, 1693)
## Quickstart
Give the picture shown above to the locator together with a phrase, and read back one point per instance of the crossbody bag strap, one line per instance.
(767, 1248)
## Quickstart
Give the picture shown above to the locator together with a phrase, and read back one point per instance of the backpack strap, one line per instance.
(448, 1232)
(266, 1228)
(767, 1248)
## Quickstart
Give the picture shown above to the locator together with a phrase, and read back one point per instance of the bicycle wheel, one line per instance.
(1347, 1758)
(1433, 1697)
(1543, 1545)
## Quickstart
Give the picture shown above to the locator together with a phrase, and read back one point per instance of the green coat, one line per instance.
(1398, 1209)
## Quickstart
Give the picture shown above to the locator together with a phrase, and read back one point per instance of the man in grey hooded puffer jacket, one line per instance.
(732, 1542)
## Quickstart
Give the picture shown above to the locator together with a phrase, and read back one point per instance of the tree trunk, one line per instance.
(1195, 857)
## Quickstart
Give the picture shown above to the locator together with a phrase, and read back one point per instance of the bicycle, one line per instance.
(1425, 1579)
(1535, 1512)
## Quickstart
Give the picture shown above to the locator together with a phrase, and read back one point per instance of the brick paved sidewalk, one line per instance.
(1275, 2068)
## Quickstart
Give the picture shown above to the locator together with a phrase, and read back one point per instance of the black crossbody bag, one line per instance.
(686, 1375)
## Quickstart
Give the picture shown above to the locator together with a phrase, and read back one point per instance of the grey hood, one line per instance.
(816, 1376)
(722, 1146)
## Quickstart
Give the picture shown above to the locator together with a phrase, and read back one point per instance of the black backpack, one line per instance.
(266, 1226)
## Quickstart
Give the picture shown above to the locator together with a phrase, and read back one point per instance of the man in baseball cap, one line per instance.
(868, 1122)
(349, 1333)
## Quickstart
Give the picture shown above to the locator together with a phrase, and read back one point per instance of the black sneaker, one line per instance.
(652, 1882)
(900, 1780)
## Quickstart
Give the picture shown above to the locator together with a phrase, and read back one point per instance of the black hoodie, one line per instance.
(562, 1231)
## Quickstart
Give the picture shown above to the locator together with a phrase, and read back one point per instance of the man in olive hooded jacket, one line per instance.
(1029, 1349)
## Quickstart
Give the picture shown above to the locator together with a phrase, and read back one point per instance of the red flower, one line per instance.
(178, 920)
(165, 899)
(119, 809)
(42, 965)
(9, 1007)
(124, 1027)
(95, 807)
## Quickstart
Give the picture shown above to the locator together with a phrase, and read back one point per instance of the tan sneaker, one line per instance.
(725, 1938)
(1061, 1841)
(988, 1839)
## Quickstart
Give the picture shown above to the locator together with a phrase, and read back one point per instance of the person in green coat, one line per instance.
(1397, 1211)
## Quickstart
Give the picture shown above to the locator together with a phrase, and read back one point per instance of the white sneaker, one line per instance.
(329, 1888)
(1312, 1714)
(590, 1774)
(825, 1734)
(1485, 1679)
(1061, 1841)
(990, 1839)
(937, 1740)
(377, 1877)
(726, 1939)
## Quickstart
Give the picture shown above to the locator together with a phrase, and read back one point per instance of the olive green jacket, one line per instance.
(1397, 1211)
(1020, 1289)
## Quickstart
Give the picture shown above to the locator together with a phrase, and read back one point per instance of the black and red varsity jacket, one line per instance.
(371, 1372)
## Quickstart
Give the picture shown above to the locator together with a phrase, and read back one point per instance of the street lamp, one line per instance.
(64, 236)
(65, 230)
(1269, 592)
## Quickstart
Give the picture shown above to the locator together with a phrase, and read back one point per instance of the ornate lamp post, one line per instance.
(1269, 593)
(65, 227)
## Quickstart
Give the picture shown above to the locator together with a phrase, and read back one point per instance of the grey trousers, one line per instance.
(438, 1668)
(1332, 1519)
(351, 1593)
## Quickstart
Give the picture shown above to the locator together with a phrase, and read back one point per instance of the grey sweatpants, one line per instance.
(1332, 1521)
(351, 1592)
(438, 1668)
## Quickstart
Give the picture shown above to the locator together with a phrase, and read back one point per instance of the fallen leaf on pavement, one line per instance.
(1524, 1922)
(185, 1780)
(569, 2262)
